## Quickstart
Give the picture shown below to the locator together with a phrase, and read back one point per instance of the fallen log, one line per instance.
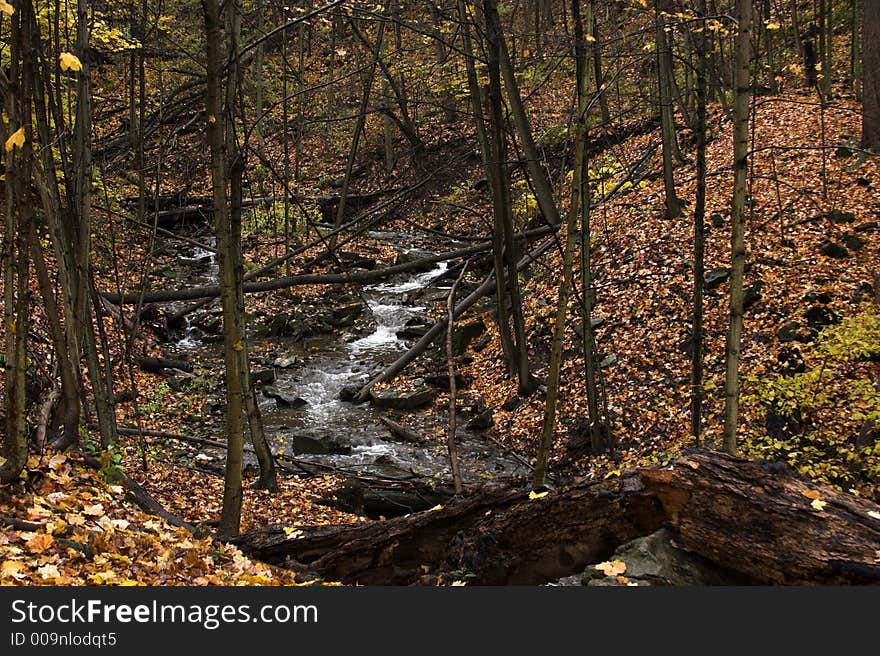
(360, 276)
(751, 520)
(401, 432)
(156, 365)
(765, 524)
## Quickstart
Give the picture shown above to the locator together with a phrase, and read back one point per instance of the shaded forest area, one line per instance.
(440, 293)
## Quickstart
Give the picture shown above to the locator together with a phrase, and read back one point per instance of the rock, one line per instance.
(263, 376)
(608, 360)
(284, 400)
(347, 314)
(285, 361)
(829, 249)
(839, 216)
(511, 404)
(349, 393)
(441, 380)
(401, 400)
(407, 257)
(656, 560)
(482, 421)
(715, 277)
(752, 294)
(854, 242)
(820, 316)
(788, 332)
(464, 333)
(717, 220)
(181, 381)
(306, 444)
(869, 226)
(413, 332)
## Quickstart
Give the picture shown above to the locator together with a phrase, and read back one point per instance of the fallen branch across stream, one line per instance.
(213, 291)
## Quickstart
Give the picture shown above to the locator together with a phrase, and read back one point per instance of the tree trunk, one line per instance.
(670, 146)
(699, 233)
(230, 520)
(737, 220)
(19, 216)
(871, 75)
(754, 521)
(539, 177)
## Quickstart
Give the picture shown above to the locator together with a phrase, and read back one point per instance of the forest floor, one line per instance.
(813, 242)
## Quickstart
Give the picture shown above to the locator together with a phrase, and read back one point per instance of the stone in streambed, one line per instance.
(284, 400)
(401, 399)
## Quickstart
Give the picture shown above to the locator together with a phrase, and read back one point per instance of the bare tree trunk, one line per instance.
(19, 216)
(699, 233)
(369, 76)
(102, 384)
(737, 219)
(539, 177)
(670, 147)
(871, 75)
(453, 392)
(230, 520)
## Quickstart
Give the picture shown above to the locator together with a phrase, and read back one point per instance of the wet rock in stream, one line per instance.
(396, 399)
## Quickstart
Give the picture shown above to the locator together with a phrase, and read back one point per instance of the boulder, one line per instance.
(835, 251)
(715, 277)
(346, 315)
(396, 399)
(464, 333)
(263, 376)
(482, 421)
(285, 361)
(181, 381)
(854, 242)
(284, 400)
(656, 560)
(308, 444)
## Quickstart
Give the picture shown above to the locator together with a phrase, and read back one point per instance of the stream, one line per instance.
(316, 426)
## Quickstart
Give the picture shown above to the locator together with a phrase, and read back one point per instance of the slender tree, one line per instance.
(737, 220)
(871, 75)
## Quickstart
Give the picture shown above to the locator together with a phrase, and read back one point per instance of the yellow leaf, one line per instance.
(611, 567)
(874, 514)
(437, 507)
(16, 139)
(70, 62)
(237, 347)
(212, 119)
(537, 495)
(458, 583)
(773, 26)
(103, 578)
(13, 568)
(40, 542)
(811, 494)
(292, 532)
(818, 504)
(6, 8)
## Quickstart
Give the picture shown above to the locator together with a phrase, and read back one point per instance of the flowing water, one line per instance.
(351, 432)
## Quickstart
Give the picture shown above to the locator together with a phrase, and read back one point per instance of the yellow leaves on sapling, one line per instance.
(15, 140)
(69, 62)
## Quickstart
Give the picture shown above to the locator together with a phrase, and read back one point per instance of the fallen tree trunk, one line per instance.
(766, 525)
(751, 520)
(360, 276)
(156, 365)
(402, 432)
